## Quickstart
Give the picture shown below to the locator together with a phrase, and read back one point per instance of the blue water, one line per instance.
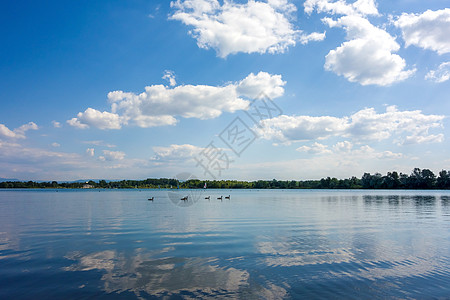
(260, 244)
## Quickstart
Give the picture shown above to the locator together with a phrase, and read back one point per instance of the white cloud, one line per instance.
(367, 124)
(429, 30)
(363, 152)
(406, 126)
(441, 74)
(90, 151)
(99, 143)
(159, 105)
(301, 128)
(34, 162)
(344, 146)
(75, 122)
(170, 77)
(418, 139)
(253, 85)
(6, 132)
(315, 36)
(25, 163)
(112, 155)
(56, 145)
(342, 163)
(176, 152)
(178, 156)
(360, 7)
(252, 27)
(367, 57)
(92, 117)
(315, 148)
(389, 155)
(345, 150)
(18, 133)
(56, 124)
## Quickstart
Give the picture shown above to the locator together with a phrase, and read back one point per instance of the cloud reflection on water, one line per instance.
(147, 273)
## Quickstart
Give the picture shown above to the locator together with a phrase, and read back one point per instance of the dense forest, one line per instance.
(418, 179)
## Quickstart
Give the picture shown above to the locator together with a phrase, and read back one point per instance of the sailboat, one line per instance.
(204, 186)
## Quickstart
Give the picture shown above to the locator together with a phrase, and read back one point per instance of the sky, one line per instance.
(244, 90)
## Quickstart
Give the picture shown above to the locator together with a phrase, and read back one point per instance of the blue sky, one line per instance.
(137, 89)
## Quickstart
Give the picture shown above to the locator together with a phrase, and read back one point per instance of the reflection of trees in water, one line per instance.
(418, 200)
(426, 205)
(445, 205)
(144, 274)
(337, 199)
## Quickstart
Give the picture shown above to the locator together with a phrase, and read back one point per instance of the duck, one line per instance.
(209, 197)
(220, 198)
(184, 198)
(151, 199)
(227, 197)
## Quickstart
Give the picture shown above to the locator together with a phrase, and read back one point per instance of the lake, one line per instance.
(259, 244)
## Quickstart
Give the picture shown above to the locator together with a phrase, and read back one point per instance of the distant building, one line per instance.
(87, 186)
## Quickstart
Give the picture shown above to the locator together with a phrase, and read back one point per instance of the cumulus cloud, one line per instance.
(389, 155)
(19, 132)
(92, 117)
(55, 144)
(367, 57)
(301, 128)
(253, 85)
(170, 77)
(346, 149)
(406, 126)
(30, 163)
(359, 7)
(6, 132)
(441, 74)
(252, 27)
(111, 155)
(366, 152)
(315, 36)
(99, 143)
(367, 124)
(34, 162)
(159, 105)
(90, 151)
(56, 124)
(368, 54)
(176, 152)
(315, 148)
(344, 146)
(429, 30)
(419, 139)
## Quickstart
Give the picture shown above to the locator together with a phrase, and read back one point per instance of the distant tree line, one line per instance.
(418, 179)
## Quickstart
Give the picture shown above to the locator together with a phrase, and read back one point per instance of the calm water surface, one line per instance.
(260, 244)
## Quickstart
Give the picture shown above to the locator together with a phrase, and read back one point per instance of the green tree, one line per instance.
(443, 181)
